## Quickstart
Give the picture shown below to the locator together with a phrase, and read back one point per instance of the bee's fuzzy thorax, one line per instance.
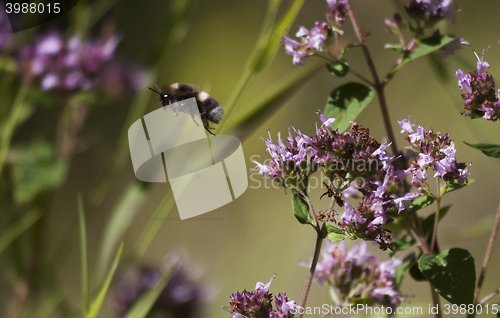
(209, 108)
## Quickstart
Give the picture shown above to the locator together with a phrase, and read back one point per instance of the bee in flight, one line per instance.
(209, 108)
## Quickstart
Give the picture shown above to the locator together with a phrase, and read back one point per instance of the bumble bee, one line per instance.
(209, 108)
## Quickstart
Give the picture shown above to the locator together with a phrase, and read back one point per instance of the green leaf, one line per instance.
(425, 46)
(121, 218)
(347, 48)
(36, 170)
(96, 305)
(18, 228)
(339, 68)
(408, 261)
(301, 210)
(334, 233)
(359, 301)
(146, 302)
(416, 274)
(418, 204)
(449, 187)
(488, 149)
(346, 102)
(428, 223)
(452, 274)
(83, 257)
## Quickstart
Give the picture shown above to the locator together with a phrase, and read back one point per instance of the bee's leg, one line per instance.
(170, 103)
(207, 128)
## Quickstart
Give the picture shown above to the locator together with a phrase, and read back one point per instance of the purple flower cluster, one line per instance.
(426, 13)
(314, 40)
(373, 212)
(336, 12)
(76, 64)
(481, 99)
(347, 159)
(355, 275)
(434, 151)
(311, 42)
(259, 303)
(430, 12)
(353, 153)
(182, 297)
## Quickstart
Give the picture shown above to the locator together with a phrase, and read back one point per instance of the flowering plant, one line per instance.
(70, 97)
(386, 206)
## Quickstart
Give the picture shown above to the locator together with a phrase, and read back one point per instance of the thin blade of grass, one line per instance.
(154, 224)
(268, 103)
(12, 122)
(121, 218)
(258, 58)
(177, 26)
(83, 257)
(97, 303)
(273, 44)
(146, 302)
(46, 309)
(18, 228)
(263, 53)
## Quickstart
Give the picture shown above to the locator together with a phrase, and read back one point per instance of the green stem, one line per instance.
(307, 287)
(488, 297)
(379, 88)
(11, 123)
(436, 219)
(312, 209)
(334, 59)
(486, 260)
(378, 85)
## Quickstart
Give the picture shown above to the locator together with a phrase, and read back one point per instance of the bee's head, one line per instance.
(163, 97)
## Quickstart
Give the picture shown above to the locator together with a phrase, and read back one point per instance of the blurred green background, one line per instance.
(256, 236)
